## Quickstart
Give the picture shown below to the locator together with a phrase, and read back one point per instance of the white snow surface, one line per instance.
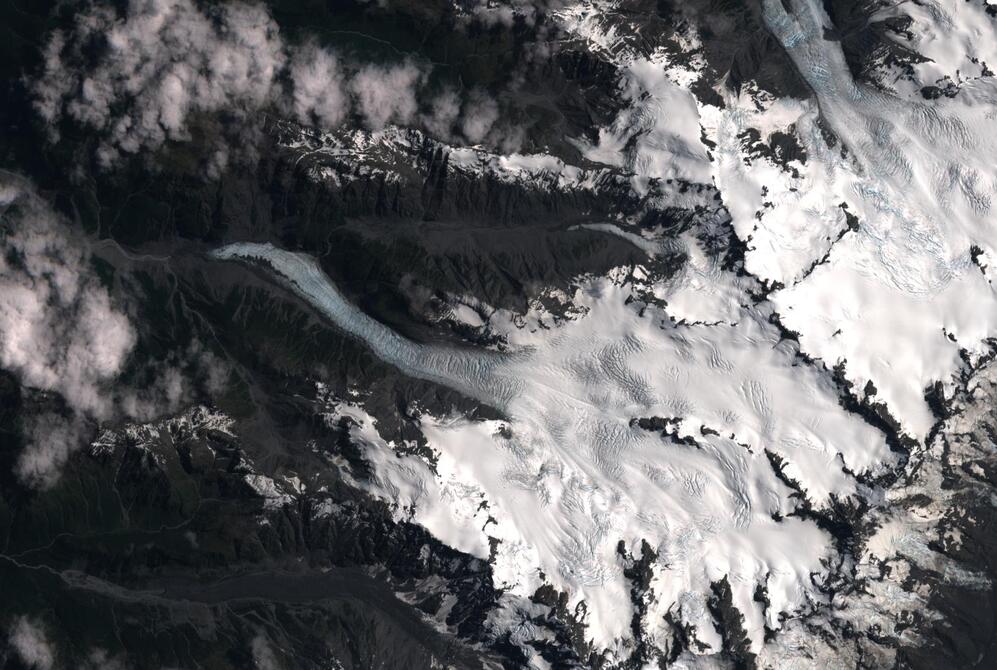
(572, 475)
(957, 40)
(663, 121)
(897, 299)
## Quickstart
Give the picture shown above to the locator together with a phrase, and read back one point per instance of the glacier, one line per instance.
(573, 473)
(698, 426)
(903, 290)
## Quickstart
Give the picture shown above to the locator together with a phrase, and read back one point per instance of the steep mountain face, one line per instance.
(576, 333)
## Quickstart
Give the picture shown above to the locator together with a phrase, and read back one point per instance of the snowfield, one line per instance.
(697, 426)
(898, 299)
(574, 472)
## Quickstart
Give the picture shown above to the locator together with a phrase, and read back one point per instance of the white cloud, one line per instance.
(167, 385)
(213, 371)
(31, 644)
(263, 656)
(165, 61)
(444, 111)
(386, 94)
(59, 331)
(51, 440)
(480, 114)
(318, 87)
(168, 390)
(100, 660)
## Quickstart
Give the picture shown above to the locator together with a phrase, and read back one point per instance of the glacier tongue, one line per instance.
(474, 373)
